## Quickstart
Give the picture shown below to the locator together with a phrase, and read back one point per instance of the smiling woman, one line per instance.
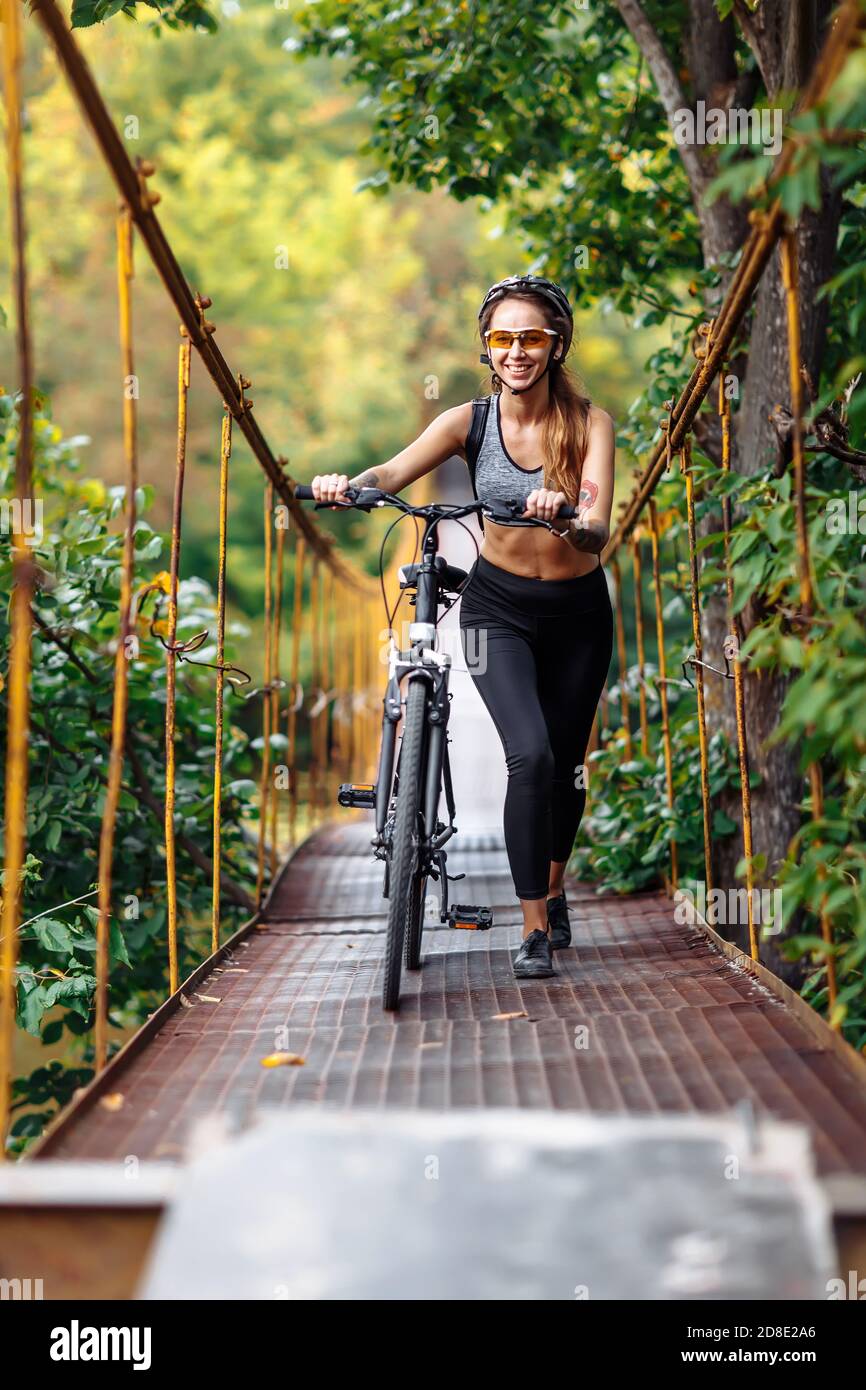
(538, 594)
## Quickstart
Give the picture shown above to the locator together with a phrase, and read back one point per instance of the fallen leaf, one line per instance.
(431, 1044)
(283, 1059)
(112, 1102)
(208, 998)
(520, 1013)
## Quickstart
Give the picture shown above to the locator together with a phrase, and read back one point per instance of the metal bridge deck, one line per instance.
(644, 1017)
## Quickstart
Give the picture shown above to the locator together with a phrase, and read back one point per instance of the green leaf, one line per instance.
(53, 935)
(117, 945)
(84, 13)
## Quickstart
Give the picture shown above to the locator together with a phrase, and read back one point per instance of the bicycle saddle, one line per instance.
(451, 579)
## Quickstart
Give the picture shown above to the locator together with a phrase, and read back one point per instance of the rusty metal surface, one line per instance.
(645, 1017)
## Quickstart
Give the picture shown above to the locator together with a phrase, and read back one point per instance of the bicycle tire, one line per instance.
(415, 918)
(402, 850)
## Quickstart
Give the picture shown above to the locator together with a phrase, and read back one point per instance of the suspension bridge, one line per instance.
(663, 1072)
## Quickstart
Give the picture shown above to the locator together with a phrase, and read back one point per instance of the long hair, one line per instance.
(565, 427)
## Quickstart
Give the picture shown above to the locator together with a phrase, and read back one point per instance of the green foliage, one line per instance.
(625, 838)
(174, 14)
(78, 557)
(545, 109)
(624, 841)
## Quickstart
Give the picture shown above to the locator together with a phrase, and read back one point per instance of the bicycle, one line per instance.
(405, 797)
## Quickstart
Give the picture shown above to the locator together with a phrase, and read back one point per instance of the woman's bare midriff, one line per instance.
(533, 553)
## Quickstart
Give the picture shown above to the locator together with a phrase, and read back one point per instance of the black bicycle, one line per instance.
(410, 837)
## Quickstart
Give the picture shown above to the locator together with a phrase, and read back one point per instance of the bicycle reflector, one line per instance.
(470, 918)
(362, 794)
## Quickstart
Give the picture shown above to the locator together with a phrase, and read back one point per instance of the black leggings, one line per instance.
(538, 651)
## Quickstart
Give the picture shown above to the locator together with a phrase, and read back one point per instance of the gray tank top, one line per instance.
(496, 473)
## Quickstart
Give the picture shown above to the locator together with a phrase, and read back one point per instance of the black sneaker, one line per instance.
(533, 960)
(558, 923)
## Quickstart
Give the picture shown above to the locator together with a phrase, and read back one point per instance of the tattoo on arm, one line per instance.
(368, 479)
(588, 495)
(591, 536)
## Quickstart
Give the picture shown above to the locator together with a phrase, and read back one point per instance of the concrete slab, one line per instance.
(500, 1204)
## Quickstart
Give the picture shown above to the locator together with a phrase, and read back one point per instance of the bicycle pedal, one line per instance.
(361, 794)
(470, 918)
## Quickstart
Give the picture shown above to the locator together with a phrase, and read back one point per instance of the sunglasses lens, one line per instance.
(531, 338)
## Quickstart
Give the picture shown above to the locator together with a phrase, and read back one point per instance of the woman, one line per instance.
(541, 598)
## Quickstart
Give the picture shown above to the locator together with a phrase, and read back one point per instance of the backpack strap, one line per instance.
(480, 409)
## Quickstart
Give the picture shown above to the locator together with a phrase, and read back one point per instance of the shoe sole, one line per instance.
(534, 974)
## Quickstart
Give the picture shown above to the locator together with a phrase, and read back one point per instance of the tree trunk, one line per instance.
(786, 42)
(785, 37)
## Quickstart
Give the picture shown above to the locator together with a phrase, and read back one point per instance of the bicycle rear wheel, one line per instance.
(403, 852)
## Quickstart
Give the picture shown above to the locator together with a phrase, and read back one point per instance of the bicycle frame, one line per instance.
(421, 662)
(432, 578)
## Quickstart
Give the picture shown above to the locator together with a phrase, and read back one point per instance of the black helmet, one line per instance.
(547, 289)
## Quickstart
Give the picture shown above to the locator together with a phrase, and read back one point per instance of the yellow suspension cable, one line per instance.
(662, 681)
(264, 788)
(791, 281)
(315, 680)
(126, 640)
(183, 376)
(340, 683)
(275, 692)
(641, 642)
(735, 634)
(18, 710)
(697, 638)
(294, 690)
(327, 683)
(225, 455)
(357, 668)
(621, 658)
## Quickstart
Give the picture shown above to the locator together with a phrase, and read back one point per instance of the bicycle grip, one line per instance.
(304, 493)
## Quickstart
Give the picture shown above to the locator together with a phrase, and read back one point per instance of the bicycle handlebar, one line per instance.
(365, 498)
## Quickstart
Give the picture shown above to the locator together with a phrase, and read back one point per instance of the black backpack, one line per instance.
(480, 407)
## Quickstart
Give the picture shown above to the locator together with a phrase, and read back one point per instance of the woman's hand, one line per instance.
(544, 503)
(329, 487)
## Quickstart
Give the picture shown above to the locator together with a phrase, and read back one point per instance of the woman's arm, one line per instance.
(590, 529)
(444, 436)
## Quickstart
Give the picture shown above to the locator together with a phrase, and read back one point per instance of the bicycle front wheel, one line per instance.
(403, 851)
(415, 917)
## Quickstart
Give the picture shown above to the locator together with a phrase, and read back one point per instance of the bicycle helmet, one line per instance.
(545, 289)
